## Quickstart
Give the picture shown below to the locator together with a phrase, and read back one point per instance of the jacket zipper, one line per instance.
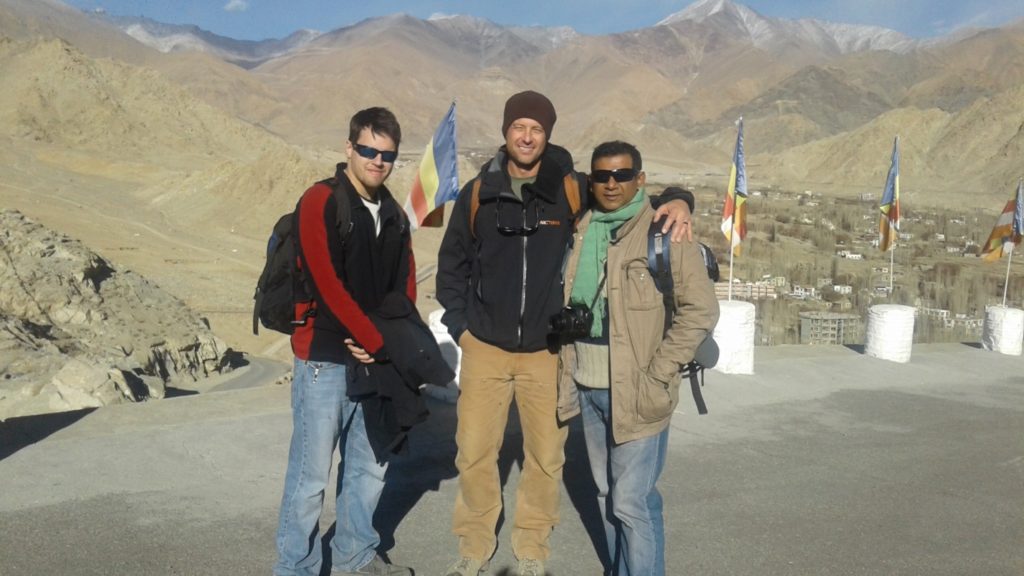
(522, 298)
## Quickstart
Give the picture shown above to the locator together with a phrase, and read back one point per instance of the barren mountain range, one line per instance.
(171, 151)
(675, 88)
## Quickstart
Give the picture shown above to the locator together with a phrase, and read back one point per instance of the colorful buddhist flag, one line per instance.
(889, 221)
(438, 178)
(1007, 231)
(734, 215)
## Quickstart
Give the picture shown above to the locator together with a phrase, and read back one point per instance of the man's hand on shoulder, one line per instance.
(677, 218)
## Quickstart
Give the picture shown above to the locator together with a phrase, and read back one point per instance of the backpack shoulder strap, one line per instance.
(661, 271)
(569, 183)
(572, 193)
(343, 219)
(474, 205)
(698, 397)
(710, 262)
(661, 268)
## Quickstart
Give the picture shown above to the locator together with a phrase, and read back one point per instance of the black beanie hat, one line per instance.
(529, 104)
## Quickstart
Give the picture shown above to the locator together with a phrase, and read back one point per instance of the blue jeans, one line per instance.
(626, 475)
(324, 418)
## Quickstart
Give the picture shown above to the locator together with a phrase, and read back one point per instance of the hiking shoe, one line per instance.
(530, 567)
(378, 567)
(466, 567)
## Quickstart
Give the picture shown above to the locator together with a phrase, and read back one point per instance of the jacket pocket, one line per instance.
(641, 293)
(643, 310)
(655, 400)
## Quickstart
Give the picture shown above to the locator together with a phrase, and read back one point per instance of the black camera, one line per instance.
(572, 322)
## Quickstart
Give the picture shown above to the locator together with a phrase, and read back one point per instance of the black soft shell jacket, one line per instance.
(504, 286)
(390, 392)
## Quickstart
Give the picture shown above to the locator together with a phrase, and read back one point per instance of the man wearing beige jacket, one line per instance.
(622, 369)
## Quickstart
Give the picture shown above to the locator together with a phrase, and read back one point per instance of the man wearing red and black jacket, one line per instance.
(348, 274)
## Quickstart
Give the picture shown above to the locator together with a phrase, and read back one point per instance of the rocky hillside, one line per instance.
(57, 95)
(75, 332)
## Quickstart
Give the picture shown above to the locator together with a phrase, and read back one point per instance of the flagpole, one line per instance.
(895, 241)
(732, 242)
(732, 236)
(892, 266)
(1006, 282)
(737, 188)
(735, 211)
(889, 225)
(732, 252)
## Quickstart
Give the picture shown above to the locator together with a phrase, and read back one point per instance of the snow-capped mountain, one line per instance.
(486, 32)
(546, 38)
(769, 33)
(176, 38)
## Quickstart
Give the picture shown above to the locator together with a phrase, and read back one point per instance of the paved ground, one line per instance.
(826, 462)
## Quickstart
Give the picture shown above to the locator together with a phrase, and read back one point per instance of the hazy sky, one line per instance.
(259, 19)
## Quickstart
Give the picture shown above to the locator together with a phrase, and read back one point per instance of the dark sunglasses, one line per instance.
(525, 229)
(370, 153)
(621, 175)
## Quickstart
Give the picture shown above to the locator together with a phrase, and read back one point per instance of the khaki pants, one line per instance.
(490, 378)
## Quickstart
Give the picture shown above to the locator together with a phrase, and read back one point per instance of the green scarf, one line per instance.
(594, 254)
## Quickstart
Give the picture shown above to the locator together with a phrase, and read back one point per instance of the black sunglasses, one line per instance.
(369, 152)
(621, 175)
(523, 230)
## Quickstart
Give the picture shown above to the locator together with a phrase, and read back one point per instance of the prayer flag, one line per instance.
(734, 214)
(438, 178)
(889, 221)
(1007, 231)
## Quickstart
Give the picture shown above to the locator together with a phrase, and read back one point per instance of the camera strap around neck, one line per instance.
(600, 285)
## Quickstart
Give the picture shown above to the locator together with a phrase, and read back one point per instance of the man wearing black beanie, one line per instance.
(499, 280)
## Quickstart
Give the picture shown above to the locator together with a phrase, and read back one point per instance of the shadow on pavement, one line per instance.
(17, 433)
(579, 483)
(430, 459)
(171, 392)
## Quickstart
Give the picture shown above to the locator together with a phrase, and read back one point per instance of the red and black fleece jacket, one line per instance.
(349, 274)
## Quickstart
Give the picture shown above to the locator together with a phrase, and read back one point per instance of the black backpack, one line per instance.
(282, 283)
(658, 261)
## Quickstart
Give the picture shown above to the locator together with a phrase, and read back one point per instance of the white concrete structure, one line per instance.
(734, 335)
(1004, 330)
(890, 332)
(449, 391)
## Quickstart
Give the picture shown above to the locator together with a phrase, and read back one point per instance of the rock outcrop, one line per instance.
(76, 332)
